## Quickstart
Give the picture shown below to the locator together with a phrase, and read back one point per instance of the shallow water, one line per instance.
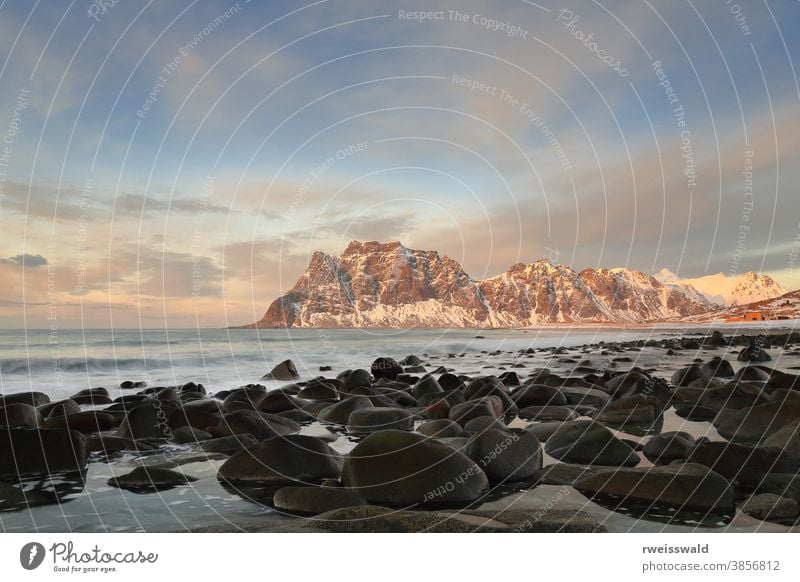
(227, 358)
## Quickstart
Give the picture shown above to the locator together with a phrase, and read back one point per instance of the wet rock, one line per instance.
(543, 430)
(752, 425)
(426, 386)
(352, 379)
(150, 479)
(745, 464)
(188, 434)
(441, 428)
(733, 395)
(40, 452)
(89, 421)
(340, 412)
(287, 459)
(686, 376)
(488, 406)
(132, 384)
(564, 473)
(315, 500)
(768, 506)
(505, 455)
(260, 425)
(286, 370)
(228, 445)
(20, 415)
(667, 447)
(631, 409)
(146, 421)
(319, 390)
(786, 439)
(754, 353)
(543, 413)
(483, 423)
(577, 395)
(718, 368)
(686, 486)
(590, 443)
(538, 395)
(92, 396)
(398, 468)
(34, 399)
(783, 484)
(367, 420)
(59, 408)
(695, 413)
(386, 368)
(277, 401)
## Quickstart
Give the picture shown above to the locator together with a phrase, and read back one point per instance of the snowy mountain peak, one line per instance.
(374, 284)
(728, 290)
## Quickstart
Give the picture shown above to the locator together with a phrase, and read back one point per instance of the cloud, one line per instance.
(25, 260)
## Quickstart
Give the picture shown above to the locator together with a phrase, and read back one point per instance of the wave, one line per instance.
(37, 365)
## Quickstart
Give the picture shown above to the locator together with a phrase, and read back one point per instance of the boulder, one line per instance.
(20, 415)
(425, 386)
(366, 420)
(315, 500)
(783, 484)
(40, 452)
(684, 486)
(279, 401)
(386, 368)
(88, 421)
(748, 465)
(538, 395)
(488, 406)
(752, 425)
(786, 439)
(150, 479)
(718, 368)
(397, 468)
(590, 443)
(754, 353)
(505, 456)
(319, 390)
(687, 375)
(542, 413)
(260, 425)
(286, 370)
(735, 395)
(59, 408)
(34, 399)
(441, 428)
(768, 506)
(286, 459)
(340, 412)
(146, 421)
(667, 447)
(482, 423)
(187, 434)
(228, 445)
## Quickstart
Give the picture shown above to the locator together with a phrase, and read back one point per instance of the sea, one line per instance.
(62, 363)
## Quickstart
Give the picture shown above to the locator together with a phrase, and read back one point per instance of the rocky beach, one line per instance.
(669, 431)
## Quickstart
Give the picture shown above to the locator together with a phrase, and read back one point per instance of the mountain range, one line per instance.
(374, 284)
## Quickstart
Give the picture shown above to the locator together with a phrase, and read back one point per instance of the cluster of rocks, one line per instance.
(435, 441)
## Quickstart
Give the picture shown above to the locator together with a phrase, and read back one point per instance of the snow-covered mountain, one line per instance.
(376, 284)
(727, 291)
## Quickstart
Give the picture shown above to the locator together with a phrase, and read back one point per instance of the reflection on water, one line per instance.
(663, 513)
(53, 489)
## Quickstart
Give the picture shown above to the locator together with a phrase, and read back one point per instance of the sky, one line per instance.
(176, 163)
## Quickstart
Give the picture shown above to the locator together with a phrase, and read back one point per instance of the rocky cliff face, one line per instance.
(376, 284)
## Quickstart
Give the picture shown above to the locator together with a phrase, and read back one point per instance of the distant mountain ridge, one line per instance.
(374, 284)
(728, 290)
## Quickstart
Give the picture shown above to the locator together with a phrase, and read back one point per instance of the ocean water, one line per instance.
(66, 361)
